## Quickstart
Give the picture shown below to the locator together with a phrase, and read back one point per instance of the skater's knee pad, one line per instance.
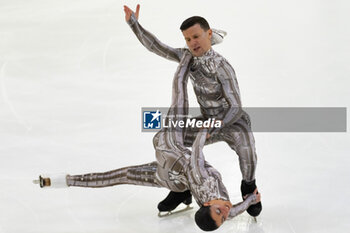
(204, 220)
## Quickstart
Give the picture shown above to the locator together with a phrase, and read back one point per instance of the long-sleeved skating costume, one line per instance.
(216, 88)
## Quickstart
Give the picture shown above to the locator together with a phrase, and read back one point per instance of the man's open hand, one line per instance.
(128, 12)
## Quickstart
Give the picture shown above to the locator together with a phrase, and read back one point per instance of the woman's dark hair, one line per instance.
(204, 220)
(194, 20)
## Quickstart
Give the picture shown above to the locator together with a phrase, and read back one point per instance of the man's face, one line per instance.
(197, 40)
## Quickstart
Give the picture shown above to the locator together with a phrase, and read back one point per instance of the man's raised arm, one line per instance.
(148, 40)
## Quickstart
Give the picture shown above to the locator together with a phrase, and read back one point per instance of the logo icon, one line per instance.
(152, 119)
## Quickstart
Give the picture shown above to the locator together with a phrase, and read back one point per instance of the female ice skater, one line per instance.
(177, 169)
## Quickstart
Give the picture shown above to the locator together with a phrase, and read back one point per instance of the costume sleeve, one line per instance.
(242, 206)
(230, 90)
(179, 105)
(148, 40)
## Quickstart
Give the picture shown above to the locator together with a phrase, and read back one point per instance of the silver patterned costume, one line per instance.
(216, 88)
(177, 168)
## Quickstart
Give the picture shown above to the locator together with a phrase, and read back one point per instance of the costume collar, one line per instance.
(207, 54)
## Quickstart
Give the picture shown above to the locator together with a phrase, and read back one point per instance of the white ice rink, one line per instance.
(73, 79)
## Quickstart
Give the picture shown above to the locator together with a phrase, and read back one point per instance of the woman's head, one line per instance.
(212, 214)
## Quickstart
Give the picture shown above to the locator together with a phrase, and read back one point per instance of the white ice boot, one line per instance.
(58, 180)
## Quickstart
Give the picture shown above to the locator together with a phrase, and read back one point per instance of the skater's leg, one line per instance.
(241, 139)
(143, 175)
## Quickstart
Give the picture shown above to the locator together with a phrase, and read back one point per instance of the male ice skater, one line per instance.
(216, 88)
(177, 168)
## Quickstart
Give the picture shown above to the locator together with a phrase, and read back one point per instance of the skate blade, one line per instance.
(39, 182)
(36, 181)
(165, 214)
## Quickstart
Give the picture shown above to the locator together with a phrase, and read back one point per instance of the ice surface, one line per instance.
(73, 79)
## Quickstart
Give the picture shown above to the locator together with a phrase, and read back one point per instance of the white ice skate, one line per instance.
(52, 181)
